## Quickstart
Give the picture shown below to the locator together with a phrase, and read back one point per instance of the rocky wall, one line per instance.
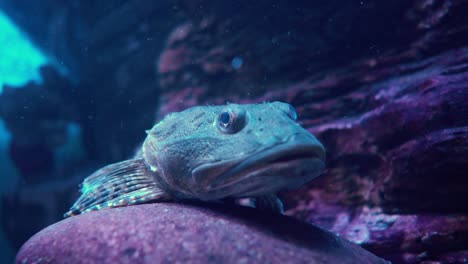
(383, 84)
(387, 95)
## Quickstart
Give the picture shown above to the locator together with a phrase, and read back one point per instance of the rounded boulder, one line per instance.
(188, 233)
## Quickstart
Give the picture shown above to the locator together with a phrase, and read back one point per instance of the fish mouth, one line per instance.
(290, 153)
(285, 165)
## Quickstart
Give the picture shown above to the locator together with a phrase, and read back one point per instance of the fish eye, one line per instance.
(292, 113)
(225, 118)
(231, 120)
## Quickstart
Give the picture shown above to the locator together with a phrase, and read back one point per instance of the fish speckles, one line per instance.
(196, 120)
(163, 134)
(200, 115)
(198, 125)
(192, 145)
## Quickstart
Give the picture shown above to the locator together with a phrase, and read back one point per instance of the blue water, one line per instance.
(9, 175)
(8, 179)
(19, 58)
(19, 64)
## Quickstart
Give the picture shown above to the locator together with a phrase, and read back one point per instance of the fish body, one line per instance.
(210, 153)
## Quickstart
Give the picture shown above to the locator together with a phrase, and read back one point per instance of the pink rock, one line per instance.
(172, 59)
(176, 233)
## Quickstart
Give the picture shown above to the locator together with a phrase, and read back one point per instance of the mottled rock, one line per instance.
(409, 238)
(427, 174)
(176, 233)
(283, 42)
(393, 118)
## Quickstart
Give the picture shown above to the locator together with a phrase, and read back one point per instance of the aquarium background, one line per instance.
(383, 84)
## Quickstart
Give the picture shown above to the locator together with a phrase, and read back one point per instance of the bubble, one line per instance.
(237, 62)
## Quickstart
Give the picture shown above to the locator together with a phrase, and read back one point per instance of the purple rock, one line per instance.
(394, 126)
(169, 233)
(437, 161)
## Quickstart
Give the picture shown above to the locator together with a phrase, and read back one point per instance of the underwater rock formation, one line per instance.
(44, 109)
(393, 118)
(386, 91)
(173, 233)
(113, 98)
(108, 49)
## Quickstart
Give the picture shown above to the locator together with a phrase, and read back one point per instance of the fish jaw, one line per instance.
(286, 165)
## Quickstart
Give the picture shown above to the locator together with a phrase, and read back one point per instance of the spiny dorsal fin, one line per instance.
(119, 184)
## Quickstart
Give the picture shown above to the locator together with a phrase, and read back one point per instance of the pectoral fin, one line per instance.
(119, 184)
(269, 202)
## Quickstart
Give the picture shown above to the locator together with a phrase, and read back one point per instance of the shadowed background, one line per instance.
(383, 84)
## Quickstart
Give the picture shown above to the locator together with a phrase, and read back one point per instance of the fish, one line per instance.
(211, 153)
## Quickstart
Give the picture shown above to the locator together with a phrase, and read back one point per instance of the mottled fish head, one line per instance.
(213, 152)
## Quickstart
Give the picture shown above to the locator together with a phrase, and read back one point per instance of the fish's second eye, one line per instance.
(292, 113)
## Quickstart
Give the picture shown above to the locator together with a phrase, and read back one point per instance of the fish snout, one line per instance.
(309, 142)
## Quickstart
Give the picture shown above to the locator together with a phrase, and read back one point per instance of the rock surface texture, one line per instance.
(383, 84)
(393, 117)
(175, 233)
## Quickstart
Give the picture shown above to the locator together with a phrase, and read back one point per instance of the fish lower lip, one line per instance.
(295, 156)
(288, 153)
